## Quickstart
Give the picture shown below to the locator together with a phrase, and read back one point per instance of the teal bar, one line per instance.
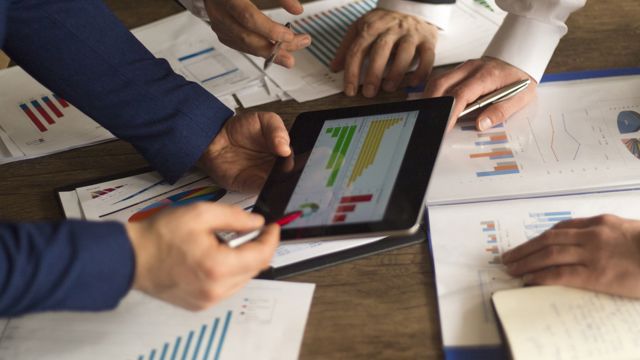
(175, 348)
(211, 336)
(187, 345)
(164, 351)
(224, 333)
(197, 349)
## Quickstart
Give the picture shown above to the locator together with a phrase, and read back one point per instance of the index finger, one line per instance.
(247, 14)
(548, 238)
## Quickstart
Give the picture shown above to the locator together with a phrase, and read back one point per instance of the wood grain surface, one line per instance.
(383, 306)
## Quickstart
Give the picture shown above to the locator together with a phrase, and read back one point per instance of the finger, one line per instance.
(237, 37)
(218, 216)
(275, 133)
(553, 255)
(292, 6)
(548, 238)
(499, 112)
(256, 255)
(405, 52)
(580, 223)
(284, 58)
(572, 275)
(247, 14)
(426, 56)
(378, 58)
(441, 84)
(300, 41)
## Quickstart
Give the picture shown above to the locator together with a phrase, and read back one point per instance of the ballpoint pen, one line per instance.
(497, 96)
(234, 239)
(274, 52)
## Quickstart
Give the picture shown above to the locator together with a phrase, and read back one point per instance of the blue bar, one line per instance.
(334, 30)
(491, 142)
(487, 229)
(590, 74)
(492, 241)
(338, 21)
(224, 333)
(214, 327)
(164, 351)
(190, 56)
(552, 213)
(468, 128)
(219, 75)
(186, 346)
(538, 226)
(197, 349)
(558, 219)
(175, 348)
(501, 157)
(497, 172)
(153, 354)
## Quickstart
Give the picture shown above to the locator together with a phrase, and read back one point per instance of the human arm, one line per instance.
(600, 253)
(521, 49)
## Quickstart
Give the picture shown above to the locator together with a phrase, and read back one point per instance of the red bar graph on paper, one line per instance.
(339, 218)
(346, 208)
(34, 119)
(356, 198)
(52, 106)
(43, 112)
(62, 102)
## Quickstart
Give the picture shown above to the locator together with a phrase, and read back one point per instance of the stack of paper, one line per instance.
(265, 320)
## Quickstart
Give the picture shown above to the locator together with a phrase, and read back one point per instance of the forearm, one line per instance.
(80, 51)
(531, 32)
(70, 265)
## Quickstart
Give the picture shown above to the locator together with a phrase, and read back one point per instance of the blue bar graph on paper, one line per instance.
(208, 343)
(496, 172)
(196, 54)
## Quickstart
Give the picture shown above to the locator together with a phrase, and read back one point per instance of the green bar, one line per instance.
(343, 153)
(329, 130)
(336, 148)
(335, 132)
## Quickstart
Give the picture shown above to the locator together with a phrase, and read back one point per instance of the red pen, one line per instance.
(234, 239)
(289, 218)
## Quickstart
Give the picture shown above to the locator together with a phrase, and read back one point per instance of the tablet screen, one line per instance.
(351, 170)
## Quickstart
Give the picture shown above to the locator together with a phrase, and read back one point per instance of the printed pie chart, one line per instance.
(207, 193)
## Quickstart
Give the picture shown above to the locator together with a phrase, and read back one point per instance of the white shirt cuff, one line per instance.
(435, 14)
(196, 7)
(526, 44)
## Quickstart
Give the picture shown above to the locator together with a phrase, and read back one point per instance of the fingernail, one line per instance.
(350, 90)
(389, 85)
(305, 41)
(485, 124)
(369, 90)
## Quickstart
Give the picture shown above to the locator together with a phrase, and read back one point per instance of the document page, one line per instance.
(554, 322)
(577, 136)
(264, 320)
(467, 241)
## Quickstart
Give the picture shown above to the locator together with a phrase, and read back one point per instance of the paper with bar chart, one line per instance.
(36, 122)
(474, 23)
(467, 253)
(265, 320)
(351, 170)
(577, 136)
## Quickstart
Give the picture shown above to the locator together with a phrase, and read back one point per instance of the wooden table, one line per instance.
(383, 306)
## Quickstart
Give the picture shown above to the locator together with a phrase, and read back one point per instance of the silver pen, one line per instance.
(274, 52)
(497, 96)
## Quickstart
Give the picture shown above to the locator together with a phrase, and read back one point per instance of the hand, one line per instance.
(601, 253)
(376, 35)
(179, 259)
(240, 25)
(240, 156)
(476, 78)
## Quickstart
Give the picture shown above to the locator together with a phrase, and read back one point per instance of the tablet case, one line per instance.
(319, 262)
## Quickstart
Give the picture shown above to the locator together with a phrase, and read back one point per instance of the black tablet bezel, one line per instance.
(406, 202)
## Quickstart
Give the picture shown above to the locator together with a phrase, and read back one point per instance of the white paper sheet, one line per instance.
(467, 241)
(264, 320)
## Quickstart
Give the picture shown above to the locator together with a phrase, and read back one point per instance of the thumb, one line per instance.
(499, 112)
(292, 6)
(275, 133)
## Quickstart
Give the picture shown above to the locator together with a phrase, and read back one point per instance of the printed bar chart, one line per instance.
(34, 119)
(329, 27)
(102, 192)
(42, 112)
(543, 221)
(207, 65)
(370, 148)
(38, 114)
(52, 106)
(491, 241)
(495, 138)
(339, 151)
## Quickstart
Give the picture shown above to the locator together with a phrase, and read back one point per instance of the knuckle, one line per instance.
(367, 28)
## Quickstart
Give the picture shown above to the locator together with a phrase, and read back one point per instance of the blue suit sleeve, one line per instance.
(71, 265)
(79, 50)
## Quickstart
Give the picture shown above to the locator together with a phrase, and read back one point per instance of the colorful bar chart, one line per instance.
(542, 221)
(205, 343)
(491, 241)
(485, 4)
(370, 147)
(38, 114)
(495, 153)
(493, 138)
(98, 193)
(329, 27)
(348, 205)
(344, 135)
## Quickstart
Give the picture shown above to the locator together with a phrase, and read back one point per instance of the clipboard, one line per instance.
(306, 265)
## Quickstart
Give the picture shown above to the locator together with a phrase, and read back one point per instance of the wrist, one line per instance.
(136, 233)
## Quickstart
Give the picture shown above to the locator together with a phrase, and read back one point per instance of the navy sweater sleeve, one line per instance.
(79, 50)
(72, 265)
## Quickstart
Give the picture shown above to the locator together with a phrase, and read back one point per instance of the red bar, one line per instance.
(43, 112)
(339, 218)
(356, 198)
(33, 118)
(52, 106)
(61, 101)
(346, 208)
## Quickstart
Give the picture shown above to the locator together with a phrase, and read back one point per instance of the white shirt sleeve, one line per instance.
(196, 7)
(530, 32)
(435, 14)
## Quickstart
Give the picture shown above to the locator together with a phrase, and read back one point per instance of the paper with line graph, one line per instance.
(473, 24)
(577, 136)
(352, 170)
(265, 320)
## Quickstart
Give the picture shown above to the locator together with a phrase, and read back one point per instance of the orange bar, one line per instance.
(506, 167)
(489, 154)
(498, 138)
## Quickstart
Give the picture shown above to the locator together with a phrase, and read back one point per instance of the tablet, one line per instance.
(356, 172)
